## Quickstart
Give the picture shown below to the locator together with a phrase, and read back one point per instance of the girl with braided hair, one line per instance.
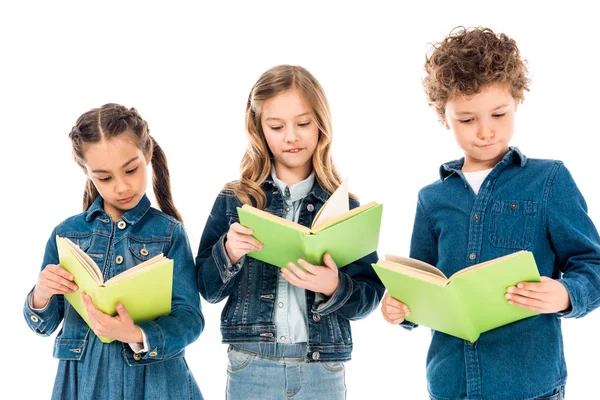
(119, 229)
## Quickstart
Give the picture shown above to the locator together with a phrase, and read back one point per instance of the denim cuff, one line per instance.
(577, 298)
(38, 319)
(154, 341)
(338, 298)
(223, 263)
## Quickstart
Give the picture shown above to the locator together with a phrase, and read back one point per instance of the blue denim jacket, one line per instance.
(523, 204)
(96, 234)
(251, 288)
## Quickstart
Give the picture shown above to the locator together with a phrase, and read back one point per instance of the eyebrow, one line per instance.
(280, 119)
(103, 171)
(495, 109)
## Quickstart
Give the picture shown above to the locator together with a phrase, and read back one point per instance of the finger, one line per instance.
(293, 279)
(527, 306)
(533, 286)
(527, 293)
(61, 281)
(524, 301)
(236, 227)
(56, 288)
(89, 305)
(301, 275)
(58, 270)
(123, 314)
(248, 240)
(329, 263)
(311, 269)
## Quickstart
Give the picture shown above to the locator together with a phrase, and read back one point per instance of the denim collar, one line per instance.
(514, 156)
(131, 216)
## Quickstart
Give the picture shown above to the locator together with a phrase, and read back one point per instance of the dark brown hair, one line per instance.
(112, 120)
(468, 60)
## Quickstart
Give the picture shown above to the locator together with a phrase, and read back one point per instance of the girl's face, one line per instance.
(117, 167)
(292, 135)
(483, 125)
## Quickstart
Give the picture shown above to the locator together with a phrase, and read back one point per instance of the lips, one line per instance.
(125, 200)
(293, 151)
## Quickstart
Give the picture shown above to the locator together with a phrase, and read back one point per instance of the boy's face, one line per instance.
(483, 125)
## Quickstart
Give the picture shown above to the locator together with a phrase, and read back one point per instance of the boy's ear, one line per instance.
(517, 102)
(444, 122)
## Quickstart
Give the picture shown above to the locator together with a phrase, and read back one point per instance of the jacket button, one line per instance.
(476, 217)
(310, 207)
(144, 251)
(472, 256)
(121, 225)
(34, 318)
(153, 353)
(316, 355)
(513, 206)
(316, 317)
(137, 356)
(119, 259)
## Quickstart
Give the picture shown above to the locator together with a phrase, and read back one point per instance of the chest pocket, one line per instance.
(84, 242)
(144, 249)
(512, 223)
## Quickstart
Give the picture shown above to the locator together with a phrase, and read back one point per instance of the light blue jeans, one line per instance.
(251, 376)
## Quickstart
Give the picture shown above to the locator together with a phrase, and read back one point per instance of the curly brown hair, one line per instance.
(467, 60)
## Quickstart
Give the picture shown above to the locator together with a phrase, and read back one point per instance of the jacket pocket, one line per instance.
(69, 349)
(512, 223)
(143, 250)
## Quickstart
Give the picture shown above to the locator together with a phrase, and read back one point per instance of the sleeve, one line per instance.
(358, 293)
(167, 336)
(215, 272)
(575, 242)
(45, 321)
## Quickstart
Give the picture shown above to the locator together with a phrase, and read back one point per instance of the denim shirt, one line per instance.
(251, 288)
(523, 204)
(143, 233)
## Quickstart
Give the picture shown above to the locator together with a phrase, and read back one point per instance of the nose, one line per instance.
(122, 186)
(485, 132)
(291, 135)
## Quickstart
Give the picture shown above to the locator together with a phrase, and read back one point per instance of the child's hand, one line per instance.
(546, 297)
(239, 242)
(119, 327)
(318, 278)
(393, 311)
(53, 280)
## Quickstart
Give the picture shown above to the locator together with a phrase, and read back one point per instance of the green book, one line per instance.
(145, 290)
(470, 302)
(346, 234)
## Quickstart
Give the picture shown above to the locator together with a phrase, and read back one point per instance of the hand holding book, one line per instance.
(52, 280)
(120, 327)
(547, 297)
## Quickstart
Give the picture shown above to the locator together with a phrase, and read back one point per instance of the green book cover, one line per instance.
(470, 302)
(145, 290)
(347, 237)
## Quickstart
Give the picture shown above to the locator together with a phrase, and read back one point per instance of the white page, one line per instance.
(336, 205)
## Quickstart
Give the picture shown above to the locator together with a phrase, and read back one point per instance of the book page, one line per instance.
(137, 269)
(417, 264)
(336, 205)
(275, 218)
(85, 260)
(413, 272)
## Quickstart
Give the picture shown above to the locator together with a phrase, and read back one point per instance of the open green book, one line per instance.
(145, 290)
(470, 302)
(346, 234)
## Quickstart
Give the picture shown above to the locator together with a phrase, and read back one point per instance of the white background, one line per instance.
(188, 69)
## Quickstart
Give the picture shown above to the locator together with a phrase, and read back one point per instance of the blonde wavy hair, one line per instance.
(256, 162)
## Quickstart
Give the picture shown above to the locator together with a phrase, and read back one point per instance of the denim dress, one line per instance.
(90, 369)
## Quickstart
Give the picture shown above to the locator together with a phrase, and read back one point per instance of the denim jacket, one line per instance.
(250, 288)
(523, 204)
(104, 240)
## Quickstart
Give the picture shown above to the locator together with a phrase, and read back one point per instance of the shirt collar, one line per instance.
(514, 156)
(298, 190)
